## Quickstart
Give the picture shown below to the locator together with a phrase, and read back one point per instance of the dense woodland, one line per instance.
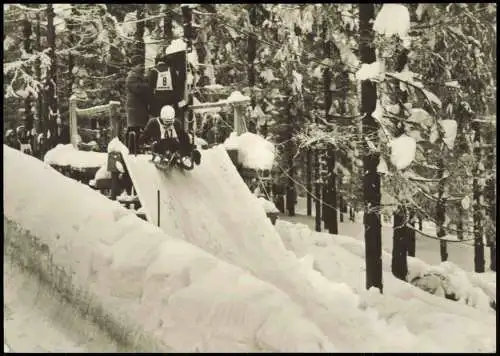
(333, 92)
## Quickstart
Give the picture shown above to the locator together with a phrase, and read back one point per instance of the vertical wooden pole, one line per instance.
(158, 205)
(309, 181)
(114, 119)
(73, 121)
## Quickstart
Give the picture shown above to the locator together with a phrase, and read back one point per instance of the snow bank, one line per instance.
(447, 279)
(254, 151)
(212, 208)
(156, 292)
(268, 206)
(232, 142)
(39, 319)
(237, 97)
(102, 173)
(115, 145)
(341, 259)
(67, 155)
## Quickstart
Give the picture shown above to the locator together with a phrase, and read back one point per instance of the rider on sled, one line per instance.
(169, 139)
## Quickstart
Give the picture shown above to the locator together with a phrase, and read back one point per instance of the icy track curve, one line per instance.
(152, 291)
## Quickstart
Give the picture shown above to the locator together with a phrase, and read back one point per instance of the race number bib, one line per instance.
(164, 81)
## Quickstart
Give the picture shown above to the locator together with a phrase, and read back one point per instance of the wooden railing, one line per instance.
(239, 120)
(75, 114)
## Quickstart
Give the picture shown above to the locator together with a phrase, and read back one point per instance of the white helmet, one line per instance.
(167, 114)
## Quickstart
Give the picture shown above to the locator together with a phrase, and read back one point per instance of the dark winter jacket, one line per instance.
(160, 82)
(138, 98)
(167, 83)
(62, 134)
(11, 141)
(153, 133)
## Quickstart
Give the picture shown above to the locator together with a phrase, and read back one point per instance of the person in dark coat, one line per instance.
(62, 134)
(138, 99)
(161, 83)
(24, 139)
(167, 135)
(11, 139)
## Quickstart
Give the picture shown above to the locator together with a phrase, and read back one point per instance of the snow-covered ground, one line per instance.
(32, 308)
(427, 249)
(222, 278)
(341, 259)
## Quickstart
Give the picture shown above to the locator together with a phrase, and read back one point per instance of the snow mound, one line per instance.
(232, 142)
(67, 155)
(341, 259)
(115, 145)
(448, 280)
(254, 151)
(169, 294)
(102, 173)
(237, 97)
(268, 206)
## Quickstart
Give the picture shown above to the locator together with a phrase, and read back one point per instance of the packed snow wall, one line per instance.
(150, 291)
(212, 208)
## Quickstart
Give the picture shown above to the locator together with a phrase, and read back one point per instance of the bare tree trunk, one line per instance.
(341, 209)
(187, 15)
(38, 76)
(317, 190)
(251, 55)
(490, 195)
(411, 235)
(27, 32)
(309, 181)
(52, 77)
(479, 263)
(371, 179)
(440, 212)
(330, 196)
(460, 223)
(140, 47)
(399, 264)
(167, 23)
(71, 58)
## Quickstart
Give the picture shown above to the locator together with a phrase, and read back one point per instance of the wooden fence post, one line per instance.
(73, 122)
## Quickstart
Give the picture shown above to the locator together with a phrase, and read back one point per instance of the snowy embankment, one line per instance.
(212, 208)
(148, 290)
(467, 325)
(67, 155)
(32, 307)
(254, 151)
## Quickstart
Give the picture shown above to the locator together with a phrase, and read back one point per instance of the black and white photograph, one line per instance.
(249, 177)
